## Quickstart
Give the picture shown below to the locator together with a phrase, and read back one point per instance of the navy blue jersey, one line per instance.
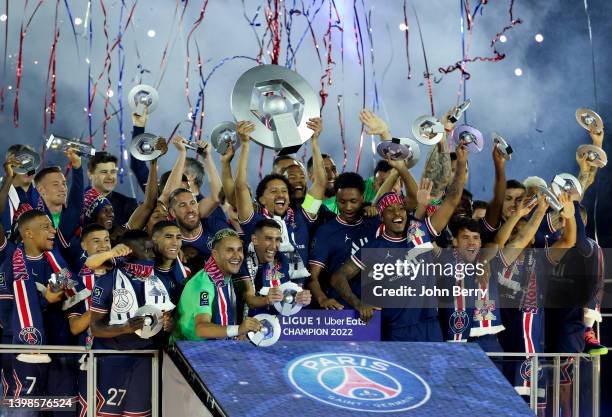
(298, 228)
(473, 315)
(71, 213)
(174, 279)
(196, 249)
(270, 274)
(335, 242)
(6, 290)
(420, 235)
(34, 320)
(104, 298)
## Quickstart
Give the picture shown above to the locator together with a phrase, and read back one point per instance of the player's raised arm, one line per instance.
(244, 203)
(440, 218)
(317, 190)
(524, 237)
(494, 210)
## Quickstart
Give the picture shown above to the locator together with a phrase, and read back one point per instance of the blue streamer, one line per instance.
(73, 28)
(306, 14)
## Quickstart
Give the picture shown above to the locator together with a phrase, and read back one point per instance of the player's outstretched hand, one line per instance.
(244, 130)
(331, 304)
(249, 324)
(133, 324)
(303, 297)
(366, 312)
(274, 295)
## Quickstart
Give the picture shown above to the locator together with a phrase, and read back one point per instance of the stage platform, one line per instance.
(348, 379)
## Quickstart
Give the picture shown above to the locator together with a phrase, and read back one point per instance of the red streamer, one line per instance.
(164, 58)
(195, 26)
(497, 56)
(51, 73)
(327, 42)
(272, 21)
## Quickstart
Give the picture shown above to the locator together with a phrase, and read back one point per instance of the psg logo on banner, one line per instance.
(357, 382)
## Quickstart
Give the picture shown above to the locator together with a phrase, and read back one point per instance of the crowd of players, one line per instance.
(211, 263)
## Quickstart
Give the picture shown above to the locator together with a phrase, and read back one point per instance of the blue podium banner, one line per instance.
(329, 325)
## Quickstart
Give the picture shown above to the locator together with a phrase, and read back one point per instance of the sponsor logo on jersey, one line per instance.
(204, 298)
(97, 294)
(357, 382)
(2, 281)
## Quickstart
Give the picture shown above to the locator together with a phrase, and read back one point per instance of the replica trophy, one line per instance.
(145, 147)
(143, 96)
(223, 136)
(428, 130)
(59, 143)
(279, 102)
(503, 146)
(596, 156)
(468, 136)
(28, 162)
(270, 331)
(587, 118)
(153, 321)
(400, 149)
(566, 183)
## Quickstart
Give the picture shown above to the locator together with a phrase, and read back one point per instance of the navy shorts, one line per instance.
(124, 386)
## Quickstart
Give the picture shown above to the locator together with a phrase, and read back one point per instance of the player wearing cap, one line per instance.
(207, 308)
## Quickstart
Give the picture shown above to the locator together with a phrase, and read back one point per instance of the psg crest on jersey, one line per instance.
(459, 321)
(357, 382)
(30, 336)
(122, 300)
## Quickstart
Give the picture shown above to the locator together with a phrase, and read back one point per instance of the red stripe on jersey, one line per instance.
(527, 329)
(23, 304)
(222, 307)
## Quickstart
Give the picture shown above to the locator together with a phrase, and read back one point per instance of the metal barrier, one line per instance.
(155, 371)
(92, 362)
(556, 357)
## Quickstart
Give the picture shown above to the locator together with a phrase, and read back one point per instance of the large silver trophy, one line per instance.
(279, 102)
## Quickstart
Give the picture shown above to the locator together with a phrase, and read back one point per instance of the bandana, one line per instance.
(386, 200)
(214, 272)
(92, 204)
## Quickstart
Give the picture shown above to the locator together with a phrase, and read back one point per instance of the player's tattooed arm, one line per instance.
(100, 329)
(340, 281)
(440, 218)
(438, 168)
